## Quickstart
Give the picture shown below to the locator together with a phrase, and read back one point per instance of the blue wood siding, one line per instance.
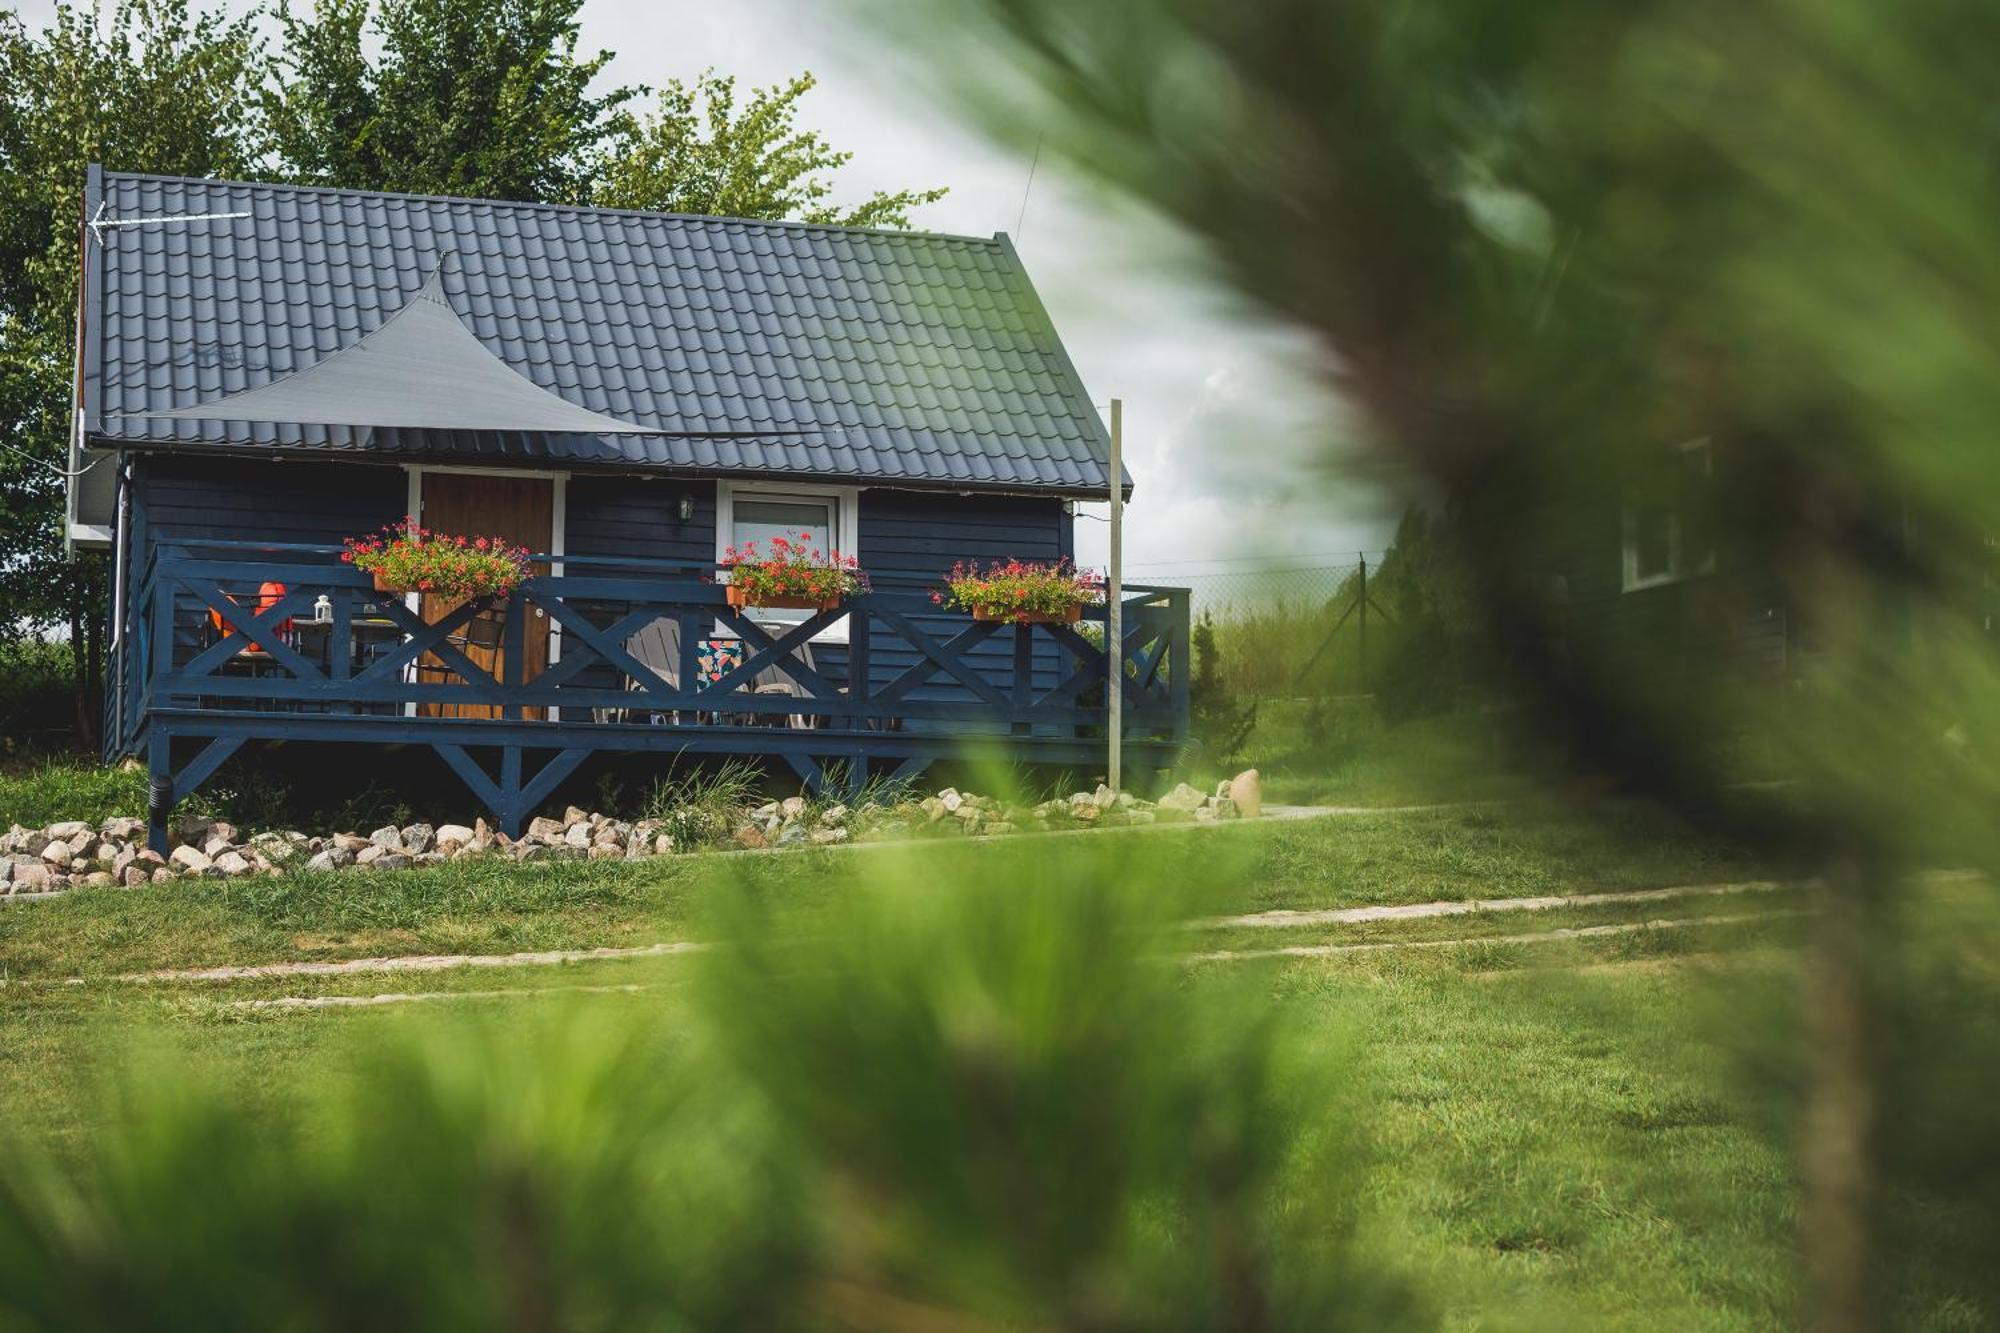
(231, 499)
(639, 519)
(251, 500)
(920, 535)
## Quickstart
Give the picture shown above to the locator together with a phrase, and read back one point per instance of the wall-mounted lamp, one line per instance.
(687, 506)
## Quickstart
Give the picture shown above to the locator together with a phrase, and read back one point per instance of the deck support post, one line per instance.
(508, 809)
(159, 788)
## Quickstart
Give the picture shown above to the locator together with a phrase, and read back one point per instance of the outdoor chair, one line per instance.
(657, 646)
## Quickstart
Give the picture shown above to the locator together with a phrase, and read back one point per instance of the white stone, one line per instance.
(233, 863)
(454, 835)
(951, 800)
(578, 835)
(1247, 790)
(190, 859)
(216, 845)
(57, 852)
(1182, 798)
(69, 830)
(389, 838)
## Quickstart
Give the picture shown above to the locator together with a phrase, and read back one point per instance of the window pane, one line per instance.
(760, 520)
(1652, 541)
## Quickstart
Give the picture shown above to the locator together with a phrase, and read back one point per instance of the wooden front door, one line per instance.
(519, 509)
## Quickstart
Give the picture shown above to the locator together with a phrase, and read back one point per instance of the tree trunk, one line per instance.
(1838, 1128)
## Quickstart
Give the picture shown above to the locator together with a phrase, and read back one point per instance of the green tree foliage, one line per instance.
(1549, 244)
(472, 97)
(1220, 720)
(1427, 642)
(142, 86)
(698, 152)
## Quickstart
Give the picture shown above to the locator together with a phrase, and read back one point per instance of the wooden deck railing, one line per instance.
(195, 644)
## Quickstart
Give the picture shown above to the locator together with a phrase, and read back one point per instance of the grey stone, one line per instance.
(329, 859)
(162, 875)
(98, 879)
(370, 854)
(30, 878)
(828, 836)
(792, 806)
(222, 830)
(190, 859)
(543, 829)
(577, 836)
(419, 837)
(234, 864)
(135, 875)
(389, 838)
(57, 852)
(70, 830)
(1182, 798)
(951, 799)
(833, 816)
(125, 828)
(216, 845)
(391, 861)
(351, 843)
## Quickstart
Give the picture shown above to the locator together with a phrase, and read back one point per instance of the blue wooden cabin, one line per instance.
(266, 370)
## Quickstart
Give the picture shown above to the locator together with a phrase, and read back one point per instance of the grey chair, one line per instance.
(657, 645)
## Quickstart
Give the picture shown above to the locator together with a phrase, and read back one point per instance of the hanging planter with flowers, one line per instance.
(1023, 591)
(796, 575)
(405, 557)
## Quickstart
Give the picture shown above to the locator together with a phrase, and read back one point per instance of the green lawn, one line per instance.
(1555, 1139)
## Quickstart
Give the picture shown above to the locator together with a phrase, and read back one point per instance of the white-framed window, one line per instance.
(758, 511)
(1666, 536)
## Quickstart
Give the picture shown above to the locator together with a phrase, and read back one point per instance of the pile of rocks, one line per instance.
(77, 853)
(114, 852)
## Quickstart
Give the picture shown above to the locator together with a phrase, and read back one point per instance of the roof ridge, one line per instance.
(893, 233)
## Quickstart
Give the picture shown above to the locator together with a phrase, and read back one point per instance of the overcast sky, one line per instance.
(1222, 417)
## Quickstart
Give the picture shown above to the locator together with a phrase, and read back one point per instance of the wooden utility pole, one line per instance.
(1114, 624)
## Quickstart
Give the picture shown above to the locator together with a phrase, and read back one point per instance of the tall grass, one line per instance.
(978, 1109)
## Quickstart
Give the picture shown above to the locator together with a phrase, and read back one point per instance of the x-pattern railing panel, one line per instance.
(598, 675)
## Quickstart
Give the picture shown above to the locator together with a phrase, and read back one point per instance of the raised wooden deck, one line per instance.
(910, 685)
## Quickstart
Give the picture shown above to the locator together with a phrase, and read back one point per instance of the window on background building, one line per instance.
(1668, 537)
(756, 513)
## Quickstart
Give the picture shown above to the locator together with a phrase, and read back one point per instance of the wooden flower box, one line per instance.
(740, 598)
(1067, 616)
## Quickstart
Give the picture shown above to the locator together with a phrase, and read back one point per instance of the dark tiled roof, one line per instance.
(765, 347)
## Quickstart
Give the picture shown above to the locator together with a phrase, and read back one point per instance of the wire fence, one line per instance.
(1282, 632)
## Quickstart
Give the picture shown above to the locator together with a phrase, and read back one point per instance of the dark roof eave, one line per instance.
(600, 467)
